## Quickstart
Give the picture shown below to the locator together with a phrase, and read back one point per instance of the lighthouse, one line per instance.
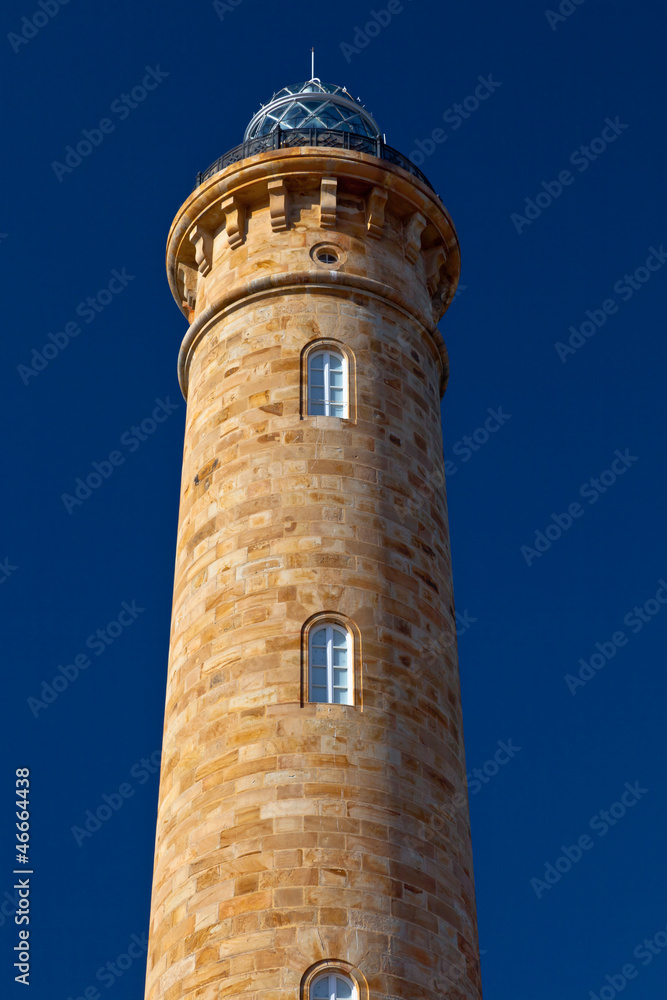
(313, 837)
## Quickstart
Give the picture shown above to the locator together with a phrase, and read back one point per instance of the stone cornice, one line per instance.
(249, 179)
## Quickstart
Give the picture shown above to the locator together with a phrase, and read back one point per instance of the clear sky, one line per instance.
(552, 167)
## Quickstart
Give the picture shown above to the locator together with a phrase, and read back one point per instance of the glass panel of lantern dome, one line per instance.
(343, 990)
(321, 989)
(318, 694)
(340, 677)
(340, 696)
(336, 396)
(339, 638)
(317, 410)
(319, 675)
(317, 361)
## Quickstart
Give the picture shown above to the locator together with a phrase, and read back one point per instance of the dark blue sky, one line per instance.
(528, 617)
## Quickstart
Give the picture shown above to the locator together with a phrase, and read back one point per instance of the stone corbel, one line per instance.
(413, 233)
(328, 202)
(434, 261)
(188, 277)
(234, 213)
(278, 206)
(202, 241)
(375, 206)
(438, 300)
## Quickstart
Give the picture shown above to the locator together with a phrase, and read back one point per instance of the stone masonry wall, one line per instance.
(291, 834)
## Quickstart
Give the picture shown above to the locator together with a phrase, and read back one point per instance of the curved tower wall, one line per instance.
(294, 836)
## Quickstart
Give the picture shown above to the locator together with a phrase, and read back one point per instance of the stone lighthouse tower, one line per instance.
(313, 836)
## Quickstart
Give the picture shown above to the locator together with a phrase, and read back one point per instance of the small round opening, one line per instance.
(327, 257)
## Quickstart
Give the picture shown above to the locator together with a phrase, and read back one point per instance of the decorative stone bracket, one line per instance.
(328, 202)
(375, 207)
(278, 206)
(437, 278)
(188, 277)
(202, 241)
(234, 213)
(434, 261)
(413, 236)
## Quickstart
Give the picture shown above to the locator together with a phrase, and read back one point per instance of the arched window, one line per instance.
(333, 987)
(327, 384)
(330, 666)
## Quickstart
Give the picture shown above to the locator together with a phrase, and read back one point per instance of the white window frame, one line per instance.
(329, 627)
(345, 405)
(332, 977)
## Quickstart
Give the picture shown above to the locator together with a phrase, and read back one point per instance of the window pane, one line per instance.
(317, 361)
(340, 696)
(316, 410)
(319, 676)
(340, 657)
(340, 677)
(343, 989)
(319, 658)
(321, 989)
(335, 362)
(318, 694)
(336, 377)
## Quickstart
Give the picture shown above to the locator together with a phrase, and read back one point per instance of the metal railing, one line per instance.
(288, 138)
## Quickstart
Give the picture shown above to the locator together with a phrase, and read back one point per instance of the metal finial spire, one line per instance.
(312, 63)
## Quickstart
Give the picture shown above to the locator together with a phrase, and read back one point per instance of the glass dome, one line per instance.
(313, 105)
